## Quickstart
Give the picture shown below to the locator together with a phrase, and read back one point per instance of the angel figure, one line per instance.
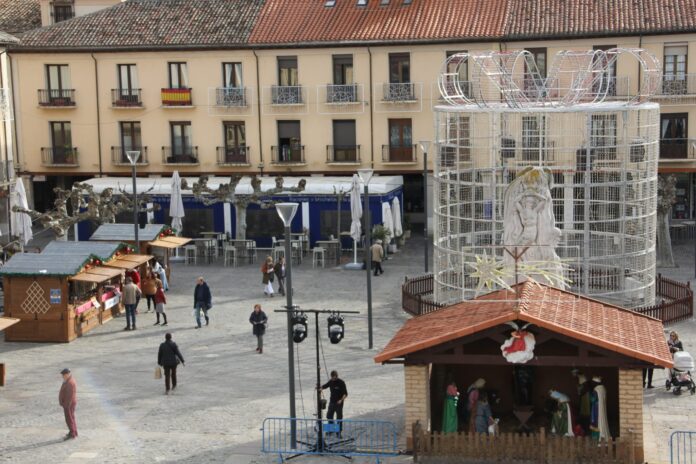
(519, 348)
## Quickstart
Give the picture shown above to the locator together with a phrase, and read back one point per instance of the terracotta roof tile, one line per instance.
(17, 16)
(600, 324)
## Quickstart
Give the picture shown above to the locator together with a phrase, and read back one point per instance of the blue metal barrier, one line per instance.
(682, 447)
(348, 438)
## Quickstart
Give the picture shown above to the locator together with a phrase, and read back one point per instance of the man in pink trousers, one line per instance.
(67, 398)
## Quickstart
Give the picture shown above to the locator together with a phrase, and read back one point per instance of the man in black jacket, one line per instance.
(202, 301)
(339, 393)
(169, 357)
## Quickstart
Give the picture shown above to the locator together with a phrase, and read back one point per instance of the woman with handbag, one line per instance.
(268, 271)
(258, 320)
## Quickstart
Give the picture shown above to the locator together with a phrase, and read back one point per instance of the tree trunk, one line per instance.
(665, 258)
(241, 215)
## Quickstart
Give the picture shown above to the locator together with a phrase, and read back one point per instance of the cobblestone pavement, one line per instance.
(226, 389)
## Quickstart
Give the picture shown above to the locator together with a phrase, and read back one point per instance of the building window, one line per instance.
(603, 137)
(399, 68)
(533, 138)
(344, 141)
(232, 75)
(534, 85)
(400, 140)
(289, 141)
(674, 80)
(462, 72)
(263, 223)
(674, 135)
(342, 69)
(608, 81)
(235, 142)
(61, 143)
(178, 76)
(182, 145)
(287, 71)
(127, 77)
(539, 58)
(62, 11)
(130, 136)
(58, 77)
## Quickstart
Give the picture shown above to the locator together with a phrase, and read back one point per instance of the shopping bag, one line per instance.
(158, 373)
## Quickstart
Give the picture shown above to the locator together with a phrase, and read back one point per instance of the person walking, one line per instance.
(169, 357)
(159, 270)
(160, 301)
(258, 320)
(131, 295)
(67, 398)
(202, 301)
(279, 271)
(339, 393)
(149, 288)
(267, 269)
(377, 254)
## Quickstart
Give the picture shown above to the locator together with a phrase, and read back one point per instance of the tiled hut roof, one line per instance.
(600, 324)
(17, 16)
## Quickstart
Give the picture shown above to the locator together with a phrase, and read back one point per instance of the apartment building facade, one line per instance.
(306, 88)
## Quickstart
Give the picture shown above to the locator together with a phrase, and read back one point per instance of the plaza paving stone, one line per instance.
(226, 389)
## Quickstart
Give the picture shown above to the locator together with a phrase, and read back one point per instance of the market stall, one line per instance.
(5, 322)
(131, 262)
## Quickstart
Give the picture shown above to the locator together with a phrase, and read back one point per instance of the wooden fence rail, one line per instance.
(436, 447)
(677, 299)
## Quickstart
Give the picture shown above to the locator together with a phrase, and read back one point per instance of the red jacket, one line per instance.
(159, 296)
(68, 393)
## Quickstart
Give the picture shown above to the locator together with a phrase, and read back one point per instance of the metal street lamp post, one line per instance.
(425, 145)
(133, 157)
(365, 176)
(287, 211)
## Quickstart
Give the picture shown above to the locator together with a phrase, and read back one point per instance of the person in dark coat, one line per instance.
(279, 271)
(202, 301)
(339, 393)
(168, 357)
(67, 398)
(258, 320)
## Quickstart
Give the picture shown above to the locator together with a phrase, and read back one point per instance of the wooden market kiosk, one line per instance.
(63, 292)
(157, 240)
(574, 336)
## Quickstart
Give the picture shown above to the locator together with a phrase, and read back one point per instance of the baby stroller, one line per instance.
(680, 376)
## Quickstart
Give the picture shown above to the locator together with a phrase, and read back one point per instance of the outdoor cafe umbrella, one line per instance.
(396, 217)
(355, 215)
(387, 222)
(176, 203)
(21, 222)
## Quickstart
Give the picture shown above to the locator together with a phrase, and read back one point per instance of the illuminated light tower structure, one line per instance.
(593, 136)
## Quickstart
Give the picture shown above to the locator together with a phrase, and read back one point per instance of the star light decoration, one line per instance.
(492, 273)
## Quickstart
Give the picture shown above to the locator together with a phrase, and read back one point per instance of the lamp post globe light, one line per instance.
(365, 176)
(287, 211)
(133, 157)
(425, 145)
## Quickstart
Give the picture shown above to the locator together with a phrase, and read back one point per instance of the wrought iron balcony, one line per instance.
(287, 95)
(398, 153)
(343, 153)
(232, 156)
(347, 93)
(231, 97)
(176, 97)
(675, 85)
(286, 154)
(180, 155)
(126, 98)
(58, 98)
(677, 149)
(59, 156)
(399, 92)
(119, 158)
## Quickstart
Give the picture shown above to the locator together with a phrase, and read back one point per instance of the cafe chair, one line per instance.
(190, 254)
(230, 255)
(318, 254)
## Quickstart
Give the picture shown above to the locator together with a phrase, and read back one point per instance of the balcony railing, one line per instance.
(398, 153)
(675, 85)
(343, 153)
(231, 97)
(232, 156)
(59, 156)
(399, 92)
(285, 154)
(676, 149)
(347, 93)
(119, 158)
(57, 97)
(180, 155)
(287, 95)
(126, 98)
(176, 97)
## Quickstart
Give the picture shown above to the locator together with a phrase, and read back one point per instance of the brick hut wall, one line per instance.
(417, 383)
(631, 407)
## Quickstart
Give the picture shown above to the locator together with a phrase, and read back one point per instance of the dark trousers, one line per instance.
(337, 409)
(647, 373)
(169, 372)
(281, 285)
(130, 315)
(70, 419)
(150, 298)
(377, 266)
